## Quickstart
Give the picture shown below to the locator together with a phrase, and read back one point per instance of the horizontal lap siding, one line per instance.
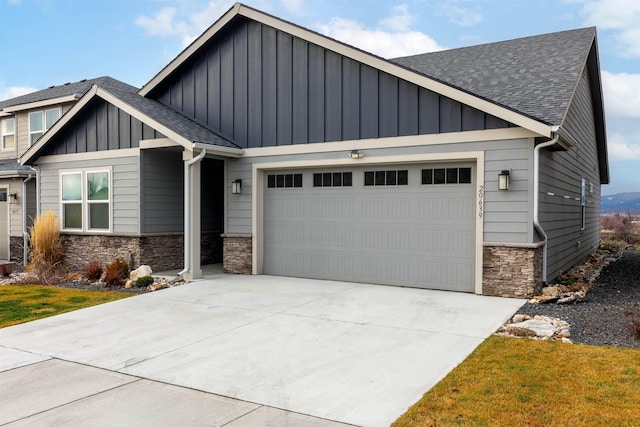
(561, 174)
(125, 193)
(262, 87)
(506, 213)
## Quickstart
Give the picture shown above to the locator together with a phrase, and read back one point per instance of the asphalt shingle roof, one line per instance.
(535, 76)
(77, 88)
(9, 166)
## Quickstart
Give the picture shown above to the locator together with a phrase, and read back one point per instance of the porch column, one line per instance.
(195, 271)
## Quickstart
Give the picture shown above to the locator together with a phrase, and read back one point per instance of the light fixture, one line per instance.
(236, 186)
(503, 180)
(355, 154)
(13, 197)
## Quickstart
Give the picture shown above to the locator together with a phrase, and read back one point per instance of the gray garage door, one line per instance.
(396, 225)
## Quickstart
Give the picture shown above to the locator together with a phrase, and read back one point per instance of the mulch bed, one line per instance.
(602, 320)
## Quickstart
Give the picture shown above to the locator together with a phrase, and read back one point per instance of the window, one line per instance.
(86, 200)
(332, 179)
(40, 122)
(446, 176)
(284, 180)
(8, 133)
(376, 178)
(583, 200)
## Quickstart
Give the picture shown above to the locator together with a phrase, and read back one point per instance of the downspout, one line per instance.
(187, 210)
(25, 233)
(536, 200)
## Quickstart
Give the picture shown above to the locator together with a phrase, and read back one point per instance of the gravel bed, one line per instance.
(601, 319)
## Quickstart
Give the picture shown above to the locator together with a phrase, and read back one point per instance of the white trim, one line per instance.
(257, 196)
(84, 201)
(93, 155)
(2, 134)
(392, 142)
(355, 54)
(157, 143)
(44, 122)
(40, 104)
(8, 224)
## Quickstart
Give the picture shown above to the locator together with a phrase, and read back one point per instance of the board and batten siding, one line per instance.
(125, 195)
(100, 126)
(259, 87)
(506, 213)
(561, 173)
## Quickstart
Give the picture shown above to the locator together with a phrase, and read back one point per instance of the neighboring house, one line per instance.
(280, 151)
(23, 121)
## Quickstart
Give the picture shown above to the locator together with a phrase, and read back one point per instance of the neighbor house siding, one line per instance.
(506, 214)
(100, 127)
(22, 130)
(162, 176)
(125, 194)
(261, 87)
(561, 173)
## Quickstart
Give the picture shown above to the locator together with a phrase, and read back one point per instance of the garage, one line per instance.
(404, 225)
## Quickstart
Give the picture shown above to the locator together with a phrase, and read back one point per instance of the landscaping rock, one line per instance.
(538, 327)
(142, 271)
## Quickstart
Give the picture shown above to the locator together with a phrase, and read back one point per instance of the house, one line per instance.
(277, 150)
(23, 121)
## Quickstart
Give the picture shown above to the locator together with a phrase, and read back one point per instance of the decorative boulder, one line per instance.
(142, 271)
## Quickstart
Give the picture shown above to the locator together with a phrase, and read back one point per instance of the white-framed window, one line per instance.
(41, 121)
(8, 133)
(583, 202)
(86, 200)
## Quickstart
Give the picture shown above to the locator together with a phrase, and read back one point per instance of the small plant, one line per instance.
(6, 269)
(116, 272)
(634, 326)
(93, 270)
(144, 281)
(45, 250)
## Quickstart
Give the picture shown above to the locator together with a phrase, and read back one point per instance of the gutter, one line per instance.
(187, 210)
(25, 233)
(536, 199)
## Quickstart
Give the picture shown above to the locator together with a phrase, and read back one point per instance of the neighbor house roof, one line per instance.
(61, 93)
(533, 75)
(175, 126)
(11, 168)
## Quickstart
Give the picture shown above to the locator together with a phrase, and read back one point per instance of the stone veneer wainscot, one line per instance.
(512, 270)
(238, 253)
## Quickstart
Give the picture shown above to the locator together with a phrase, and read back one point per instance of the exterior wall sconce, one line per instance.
(13, 197)
(355, 154)
(503, 180)
(236, 186)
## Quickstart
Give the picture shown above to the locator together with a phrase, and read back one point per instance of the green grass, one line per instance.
(24, 303)
(521, 382)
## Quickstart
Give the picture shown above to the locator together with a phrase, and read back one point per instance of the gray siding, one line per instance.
(100, 127)
(259, 87)
(561, 173)
(212, 195)
(125, 195)
(506, 213)
(162, 195)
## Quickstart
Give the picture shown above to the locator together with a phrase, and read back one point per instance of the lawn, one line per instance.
(23, 303)
(521, 382)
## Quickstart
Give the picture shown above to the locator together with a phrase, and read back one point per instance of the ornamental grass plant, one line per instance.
(45, 249)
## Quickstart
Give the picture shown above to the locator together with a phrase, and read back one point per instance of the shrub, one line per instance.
(620, 227)
(634, 326)
(45, 249)
(144, 281)
(6, 269)
(93, 270)
(116, 272)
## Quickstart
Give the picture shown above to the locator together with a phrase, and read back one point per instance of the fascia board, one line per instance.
(40, 104)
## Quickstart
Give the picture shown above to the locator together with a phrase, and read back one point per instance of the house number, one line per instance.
(480, 200)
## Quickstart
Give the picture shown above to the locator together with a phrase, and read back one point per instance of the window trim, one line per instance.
(44, 123)
(84, 199)
(3, 134)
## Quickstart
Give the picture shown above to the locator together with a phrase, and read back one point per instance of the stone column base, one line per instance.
(16, 249)
(237, 255)
(512, 270)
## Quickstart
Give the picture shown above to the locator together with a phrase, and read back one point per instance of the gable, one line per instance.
(259, 86)
(99, 126)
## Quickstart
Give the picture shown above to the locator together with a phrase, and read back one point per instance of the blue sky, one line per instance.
(50, 42)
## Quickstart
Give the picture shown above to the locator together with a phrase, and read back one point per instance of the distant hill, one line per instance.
(621, 202)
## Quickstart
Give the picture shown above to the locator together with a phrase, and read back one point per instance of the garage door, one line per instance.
(394, 225)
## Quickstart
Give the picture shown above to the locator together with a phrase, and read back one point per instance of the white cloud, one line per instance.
(623, 146)
(293, 5)
(13, 91)
(392, 38)
(622, 106)
(458, 14)
(14, 2)
(622, 16)
(170, 22)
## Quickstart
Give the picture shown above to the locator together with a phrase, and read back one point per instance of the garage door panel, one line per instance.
(414, 235)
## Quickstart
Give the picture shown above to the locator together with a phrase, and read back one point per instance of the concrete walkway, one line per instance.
(242, 351)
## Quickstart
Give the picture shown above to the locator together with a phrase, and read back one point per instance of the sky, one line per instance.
(51, 42)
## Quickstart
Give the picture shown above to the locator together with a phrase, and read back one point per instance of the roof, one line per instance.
(11, 167)
(75, 90)
(533, 75)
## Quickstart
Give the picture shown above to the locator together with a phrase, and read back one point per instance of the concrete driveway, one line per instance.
(242, 351)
